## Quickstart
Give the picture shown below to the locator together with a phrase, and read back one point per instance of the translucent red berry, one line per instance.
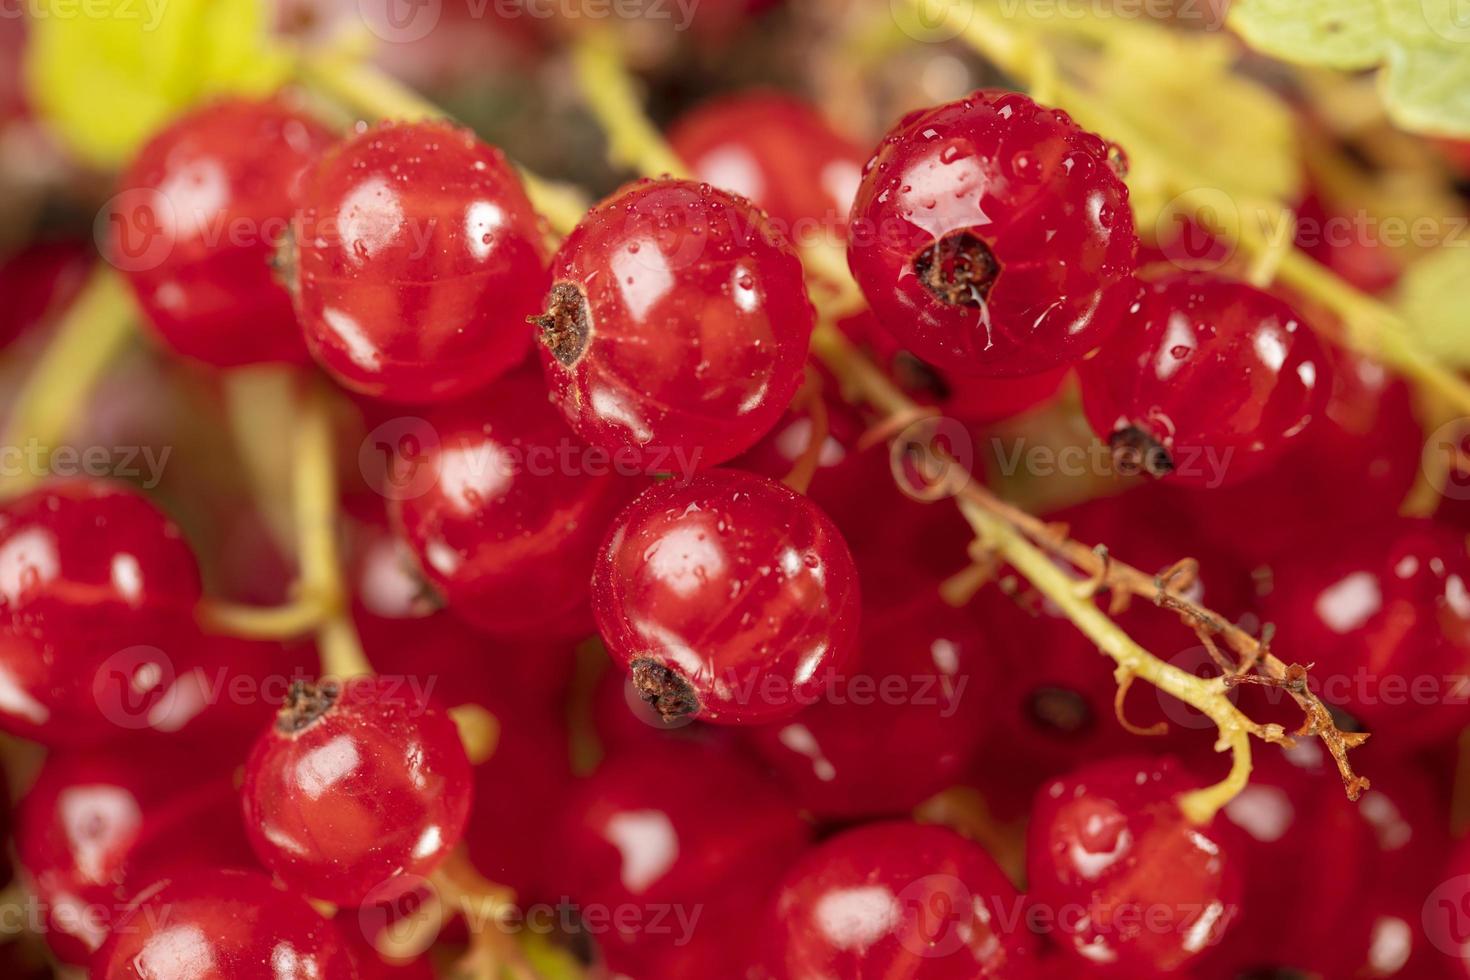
(641, 834)
(38, 282)
(419, 258)
(908, 719)
(356, 784)
(97, 595)
(513, 510)
(899, 899)
(992, 236)
(729, 597)
(199, 214)
(1208, 381)
(222, 925)
(1385, 613)
(780, 153)
(96, 828)
(677, 325)
(1155, 890)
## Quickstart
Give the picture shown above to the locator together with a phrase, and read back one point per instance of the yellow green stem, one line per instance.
(90, 335)
(605, 84)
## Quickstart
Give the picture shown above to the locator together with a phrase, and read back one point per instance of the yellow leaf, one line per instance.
(1333, 33)
(1431, 297)
(104, 75)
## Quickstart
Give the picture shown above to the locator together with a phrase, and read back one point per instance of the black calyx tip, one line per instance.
(665, 690)
(1135, 452)
(566, 324)
(958, 269)
(305, 704)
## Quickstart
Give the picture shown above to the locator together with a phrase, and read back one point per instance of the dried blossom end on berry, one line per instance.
(1135, 451)
(305, 705)
(566, 325)
(665, 690)
(958, 269)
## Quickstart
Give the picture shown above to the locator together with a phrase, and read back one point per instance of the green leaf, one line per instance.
(106, 74)
(1431, 297)
(1422, 47)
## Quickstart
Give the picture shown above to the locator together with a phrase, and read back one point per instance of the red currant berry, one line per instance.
(1366, 438)
(905, 724)
(95, 586)
(1385, 614)
(1155, 890)
(1330, 238)
(900, 899)
(1207, 382)
(992, 236)
(222, 925)
(777, 151)
(356, 784)
(641, 834)
(508, 529)
(730, 598)
(37, 282)
(677, 326)
(199, 215)
(97, 828)
(419, 258)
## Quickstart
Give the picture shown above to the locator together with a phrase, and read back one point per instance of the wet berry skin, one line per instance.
(644, 831)
(1385, 614)
(419, 258)
(97, 827)
(899, 899)
(96, 585)
(731, 598)
(1110, 838)
(993, 237)
(780, 153)
(905, 722)
(356, 784)
(201, 210)
(508, 530)
(222, 925)
(1207, 382)
(677, 325)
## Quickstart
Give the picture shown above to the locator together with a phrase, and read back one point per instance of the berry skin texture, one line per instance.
(1207, 382)
(201, 210)
(644, 831)
(355, 785)
(677, 326)
(511, 524)
(419, 258)
(1110, 839)
(778, 152)
(97, 587)
(993, 237)
(222, 925)
(731, 598)
(899, 899)
(909, 720)
(1385, 611)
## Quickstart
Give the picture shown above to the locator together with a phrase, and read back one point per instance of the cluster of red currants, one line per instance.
(752, 814)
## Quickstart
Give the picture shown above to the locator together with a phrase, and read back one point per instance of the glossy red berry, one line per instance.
(641, 834)
(730, 597)
(993, 236)
(222, 925)
(513, 510)
(905, 722)
(356, 784)
(1153, 890)
(1208, 380)
(419, 258)
(199, 215)
(97, 828)
(1385, 613)
(677, 326)
(778, 152)
(899, 899)
(38, 282)
(97, 591)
